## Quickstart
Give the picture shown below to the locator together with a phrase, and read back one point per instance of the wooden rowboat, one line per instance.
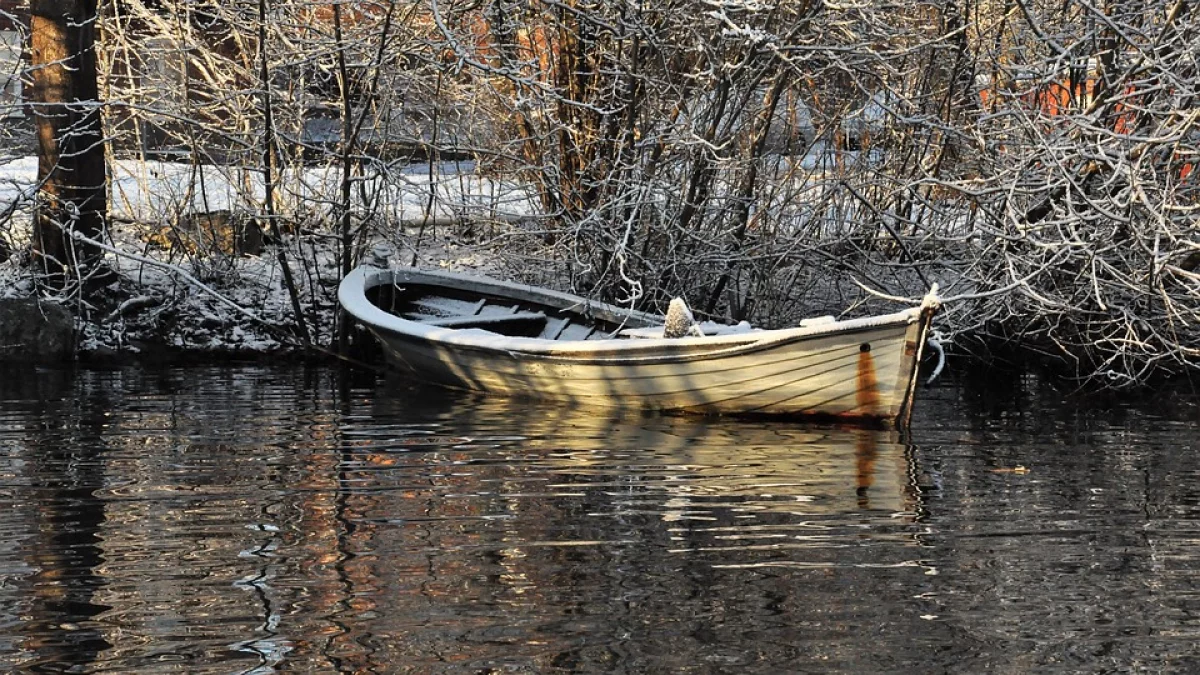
(516, 340)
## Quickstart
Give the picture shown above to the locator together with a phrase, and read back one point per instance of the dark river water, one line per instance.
(258, 520)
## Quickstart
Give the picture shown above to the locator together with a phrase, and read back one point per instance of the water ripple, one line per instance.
(247, 519)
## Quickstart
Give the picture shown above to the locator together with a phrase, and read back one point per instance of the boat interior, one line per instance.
(448, 308)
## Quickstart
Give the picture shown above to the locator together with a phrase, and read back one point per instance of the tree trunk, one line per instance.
(66, 110)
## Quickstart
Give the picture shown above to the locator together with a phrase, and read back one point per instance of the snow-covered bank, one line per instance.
(179, 301)
(212, 307)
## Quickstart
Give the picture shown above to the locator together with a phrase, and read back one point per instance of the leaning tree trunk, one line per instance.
(66, 111)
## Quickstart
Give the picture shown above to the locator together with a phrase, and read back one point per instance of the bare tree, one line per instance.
(766, 159)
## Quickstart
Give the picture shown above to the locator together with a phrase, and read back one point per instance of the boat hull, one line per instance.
(863, 369)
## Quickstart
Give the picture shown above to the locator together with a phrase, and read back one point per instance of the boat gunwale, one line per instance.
(352, 296)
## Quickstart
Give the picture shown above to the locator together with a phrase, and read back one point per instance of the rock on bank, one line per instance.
(35, 331)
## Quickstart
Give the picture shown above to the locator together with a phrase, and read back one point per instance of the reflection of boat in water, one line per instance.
(763, 467)
(464, 512)
(515, 340)
(755, 464)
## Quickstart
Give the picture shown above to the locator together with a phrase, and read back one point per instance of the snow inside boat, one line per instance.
(516, 340)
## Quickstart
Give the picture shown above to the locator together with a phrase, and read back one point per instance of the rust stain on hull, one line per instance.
(868, 383)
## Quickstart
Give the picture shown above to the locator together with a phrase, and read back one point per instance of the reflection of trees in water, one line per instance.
(173, 499)
(65, 450)
(291, 525)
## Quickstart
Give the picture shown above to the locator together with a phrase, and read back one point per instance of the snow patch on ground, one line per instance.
(414, 194)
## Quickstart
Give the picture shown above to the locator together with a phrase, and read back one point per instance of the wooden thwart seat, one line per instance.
(489, 321)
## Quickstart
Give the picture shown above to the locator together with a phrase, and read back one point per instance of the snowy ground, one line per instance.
(177, 301)
(444, 193)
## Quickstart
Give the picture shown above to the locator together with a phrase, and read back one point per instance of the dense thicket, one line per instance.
(764, 159)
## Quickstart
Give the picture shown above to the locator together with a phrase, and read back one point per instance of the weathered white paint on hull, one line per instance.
(829, 376)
